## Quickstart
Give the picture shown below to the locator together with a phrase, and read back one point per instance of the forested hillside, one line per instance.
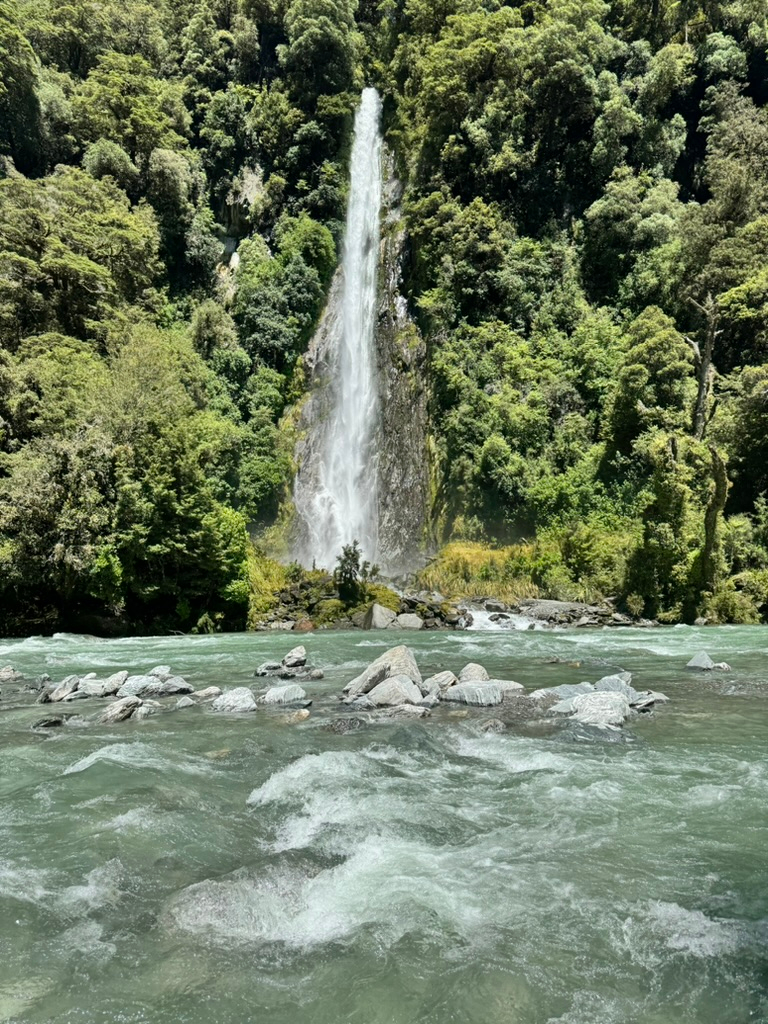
(586, 199)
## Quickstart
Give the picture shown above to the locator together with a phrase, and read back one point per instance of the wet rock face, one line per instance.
(402, 354)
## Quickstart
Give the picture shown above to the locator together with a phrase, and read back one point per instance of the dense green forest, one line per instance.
(586, 199)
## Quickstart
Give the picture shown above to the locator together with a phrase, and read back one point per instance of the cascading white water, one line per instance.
(336, 487)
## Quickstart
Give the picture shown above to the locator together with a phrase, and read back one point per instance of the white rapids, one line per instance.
(336, 490)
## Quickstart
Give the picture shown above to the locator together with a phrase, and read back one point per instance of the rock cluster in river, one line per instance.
(394, 682)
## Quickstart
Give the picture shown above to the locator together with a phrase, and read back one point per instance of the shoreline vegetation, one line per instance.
(584, 219)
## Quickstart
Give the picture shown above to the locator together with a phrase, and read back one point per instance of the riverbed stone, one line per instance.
(480, 694)
(603, 709)
(64, 688)
(209, 693)
(236, 700)
(154, 686)
(185, 702)
(378, 617)
(300, 715)
(316, 673)
(283, 695)
(495, 606)
(398, 661)
(295, 658)
(437, 683)
(8, 674)
(473, 672)
(161, 672)
(395, 690)
(93, 688)
(120, 710)
(408, 712)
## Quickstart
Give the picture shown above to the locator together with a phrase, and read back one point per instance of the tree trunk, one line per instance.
(702, 361)
(714, 509)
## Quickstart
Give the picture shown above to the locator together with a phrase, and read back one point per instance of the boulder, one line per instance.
(65, 687)
(161, 672)
(296, 658)
(507, 685)
(135, 685)
(8, 674)
(398, 661)
(378, 617)
(239, 699)
(702, 662)
(480, 694)
(185, 702)
(77, 694)
(495, 606)
(286, 624)
(120, 710)
(437, 683)
(304, 626)
(317, 673)
(154, 686)
(473, 673)
(148, 707)
(283, 695)
(209, 693)
(395, 690)
(563, 692)
(115, 681)
(430, 701)
(93, 688)
(604, 709)
(407, 620)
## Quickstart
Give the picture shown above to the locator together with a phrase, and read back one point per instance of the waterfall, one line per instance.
(335, 492)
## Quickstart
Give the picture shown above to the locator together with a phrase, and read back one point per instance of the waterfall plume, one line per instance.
(335, 492)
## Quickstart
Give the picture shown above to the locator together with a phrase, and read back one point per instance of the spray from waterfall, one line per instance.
(335, 492)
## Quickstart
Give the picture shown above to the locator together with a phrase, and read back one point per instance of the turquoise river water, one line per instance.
(196, 868)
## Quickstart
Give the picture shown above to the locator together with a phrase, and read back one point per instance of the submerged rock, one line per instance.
(493, 725)
(185, 702)
(378, 617)
(301, 715)
(237, 700)
(398, 661)
(209, 693)
(121, 710)
(405, 711)
(342, 726)
(51, 722)
(473, 672)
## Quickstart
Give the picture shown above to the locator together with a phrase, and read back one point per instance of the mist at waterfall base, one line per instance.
(196, 868)
(335, 492)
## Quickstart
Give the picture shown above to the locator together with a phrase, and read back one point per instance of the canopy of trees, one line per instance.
(586, 200)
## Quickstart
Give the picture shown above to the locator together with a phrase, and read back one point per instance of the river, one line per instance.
(196, 868)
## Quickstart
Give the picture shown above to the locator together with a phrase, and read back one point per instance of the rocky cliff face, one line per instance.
(403, 457)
